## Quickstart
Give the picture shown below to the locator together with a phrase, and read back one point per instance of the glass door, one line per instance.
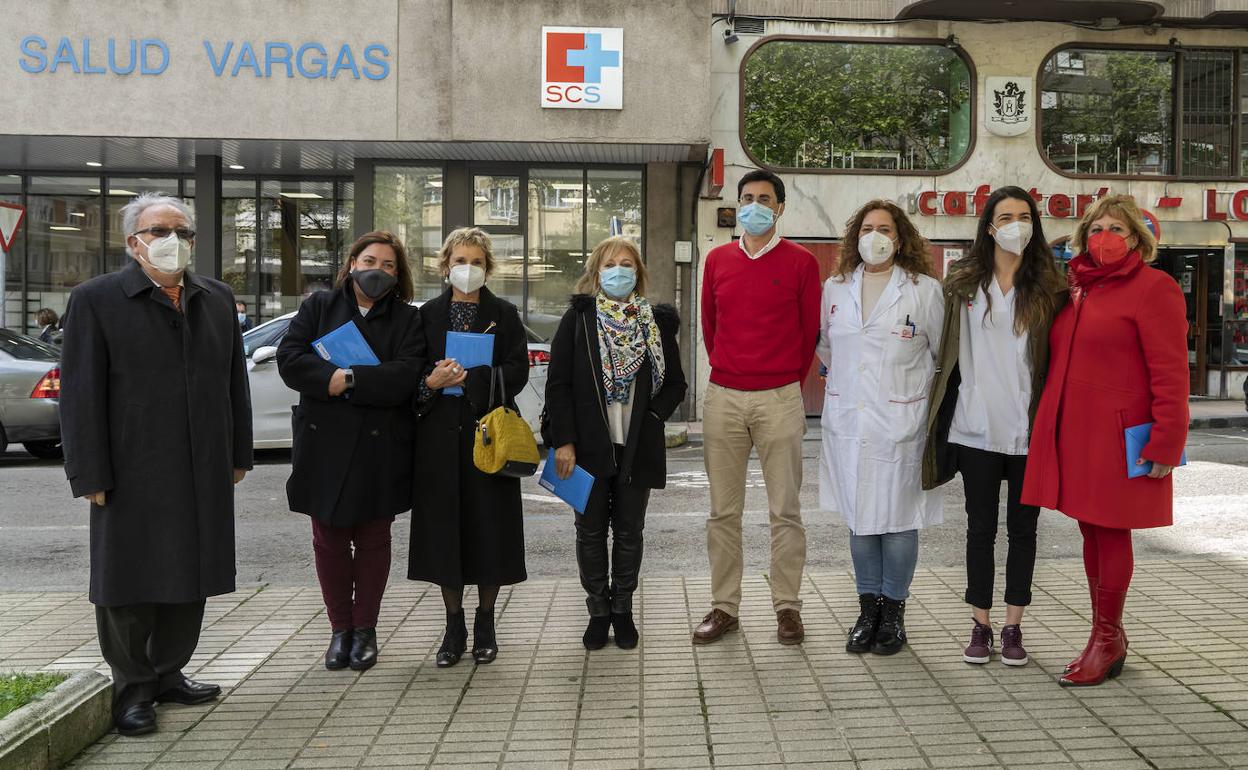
(498, 208)
(1190, 268)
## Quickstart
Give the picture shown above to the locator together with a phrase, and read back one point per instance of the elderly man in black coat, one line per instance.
(156, 425)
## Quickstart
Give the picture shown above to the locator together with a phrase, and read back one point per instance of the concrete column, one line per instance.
(363, 218)
(661, 235)
(208, 215)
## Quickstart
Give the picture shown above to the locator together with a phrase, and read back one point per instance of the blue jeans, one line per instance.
(884, 564)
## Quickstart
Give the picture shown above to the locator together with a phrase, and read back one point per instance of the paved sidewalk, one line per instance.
(744, 702)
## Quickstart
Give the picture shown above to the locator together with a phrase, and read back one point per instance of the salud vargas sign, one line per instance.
(1219, 205)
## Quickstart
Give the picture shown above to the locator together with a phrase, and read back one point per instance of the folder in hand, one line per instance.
(469, 349)
(345, 347)
(574, 490)
(1136, 439)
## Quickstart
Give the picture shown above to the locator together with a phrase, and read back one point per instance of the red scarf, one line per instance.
(1084, 272)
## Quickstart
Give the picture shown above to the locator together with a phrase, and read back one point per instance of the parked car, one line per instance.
(272, 401)
(30, 393)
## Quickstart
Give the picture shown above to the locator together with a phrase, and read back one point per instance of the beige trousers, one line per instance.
(774, 421)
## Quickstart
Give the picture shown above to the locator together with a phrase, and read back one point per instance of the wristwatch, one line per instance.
(350, 378)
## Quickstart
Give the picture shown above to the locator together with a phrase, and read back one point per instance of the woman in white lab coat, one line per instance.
(880, 332)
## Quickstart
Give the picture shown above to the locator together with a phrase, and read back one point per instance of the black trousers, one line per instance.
(621, 507)
(982, 474)
(147, 645)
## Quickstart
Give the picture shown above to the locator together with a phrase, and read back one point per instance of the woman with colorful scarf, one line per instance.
(614, 378)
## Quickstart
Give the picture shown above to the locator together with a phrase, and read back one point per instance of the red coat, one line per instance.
(1118, 358)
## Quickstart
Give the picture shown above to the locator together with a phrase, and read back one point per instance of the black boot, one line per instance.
(364, 649)
(863, 633)
(454, 641)
(626, 635)
(484, 644)
(890, 636)
(596, 632)
(339, 653)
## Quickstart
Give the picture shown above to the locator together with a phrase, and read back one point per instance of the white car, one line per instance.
(271, 400)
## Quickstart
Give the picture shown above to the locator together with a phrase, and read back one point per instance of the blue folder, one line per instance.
(574, 490)
(345, 347)
(1137, 438)
(470, 350)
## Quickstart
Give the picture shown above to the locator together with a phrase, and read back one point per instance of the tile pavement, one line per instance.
(744, 702)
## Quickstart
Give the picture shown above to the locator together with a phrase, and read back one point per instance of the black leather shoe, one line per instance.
(189, 693)
(595, 637)
(862, 635)
(339, 653)
(454, 640)
(139, 719)
(626, 636)
(890, 636)
(484, 643)
(363, 649)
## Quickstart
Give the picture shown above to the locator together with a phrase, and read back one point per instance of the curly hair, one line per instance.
(912, 253)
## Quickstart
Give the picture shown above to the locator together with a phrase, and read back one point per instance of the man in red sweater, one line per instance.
(760, 321)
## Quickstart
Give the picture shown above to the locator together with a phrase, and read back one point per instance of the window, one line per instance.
(1116, 112)
(496, 200)
(64, 236)
(833, 105)
(407, 201)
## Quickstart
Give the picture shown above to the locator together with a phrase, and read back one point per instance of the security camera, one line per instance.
(730, 36)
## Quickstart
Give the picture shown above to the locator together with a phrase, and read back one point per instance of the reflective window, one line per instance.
(839, 105)
(11, 295)
(556, 243)
(297, 243)
(64, 232)
(407, 201)
(508, 278)
(496, 200)
(1208, 113)
(238, 240)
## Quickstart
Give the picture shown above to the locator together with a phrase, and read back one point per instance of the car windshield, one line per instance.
(262, 336)
(27, 348)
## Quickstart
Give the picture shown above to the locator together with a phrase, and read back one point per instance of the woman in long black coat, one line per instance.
(614, 378)
(467, 526)
(352, 452)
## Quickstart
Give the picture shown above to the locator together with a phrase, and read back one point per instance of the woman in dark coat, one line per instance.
(352, 452)
(467, 526)
(614, 378)
(1119, 360)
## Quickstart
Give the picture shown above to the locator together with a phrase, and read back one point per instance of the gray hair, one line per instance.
(132, 211)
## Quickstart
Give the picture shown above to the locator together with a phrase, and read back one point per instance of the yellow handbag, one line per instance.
(504, 444)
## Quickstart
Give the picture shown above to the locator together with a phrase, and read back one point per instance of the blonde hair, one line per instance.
(465, 236)
(588, 283)
(1121, 207)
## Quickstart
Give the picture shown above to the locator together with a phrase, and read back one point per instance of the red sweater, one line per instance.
(760, 317)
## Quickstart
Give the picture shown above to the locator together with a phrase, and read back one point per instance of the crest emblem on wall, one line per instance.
(1009, 103)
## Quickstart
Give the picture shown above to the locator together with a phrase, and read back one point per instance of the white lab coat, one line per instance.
(875, 402)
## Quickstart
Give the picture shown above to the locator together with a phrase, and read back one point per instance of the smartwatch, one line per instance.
(350, 378)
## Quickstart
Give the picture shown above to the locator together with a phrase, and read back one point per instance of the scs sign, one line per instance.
(583, 68)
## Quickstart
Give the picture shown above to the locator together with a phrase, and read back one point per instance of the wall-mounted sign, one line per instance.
(970, 203)
(583, 68)
(1009, 103)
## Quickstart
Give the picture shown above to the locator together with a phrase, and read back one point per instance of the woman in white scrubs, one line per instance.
(880, 332)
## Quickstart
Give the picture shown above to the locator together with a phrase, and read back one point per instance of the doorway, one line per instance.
(1190, 268)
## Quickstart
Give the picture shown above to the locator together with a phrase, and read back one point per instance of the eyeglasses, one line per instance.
(163, 232)
(764, 199)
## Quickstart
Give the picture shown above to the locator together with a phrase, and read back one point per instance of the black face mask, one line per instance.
(374, 283)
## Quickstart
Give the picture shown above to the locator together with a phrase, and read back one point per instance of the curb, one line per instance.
(1205, 423)
(50, 731)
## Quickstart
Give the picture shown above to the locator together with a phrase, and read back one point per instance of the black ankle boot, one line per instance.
(339, 653)
(364, 649)
(862, 635)
(890, 636)
(626, 635)
(454, 640)
(484, 643)
(596, 632)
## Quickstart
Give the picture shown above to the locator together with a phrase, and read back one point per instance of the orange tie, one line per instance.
(174, 293)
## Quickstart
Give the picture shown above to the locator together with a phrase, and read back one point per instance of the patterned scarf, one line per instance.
(626, 333)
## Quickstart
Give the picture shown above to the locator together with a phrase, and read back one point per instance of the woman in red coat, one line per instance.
(1118, 359)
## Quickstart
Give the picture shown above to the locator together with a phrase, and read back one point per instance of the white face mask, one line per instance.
(170, 254)
(875, 248)
(1013, 237)
(467, 278)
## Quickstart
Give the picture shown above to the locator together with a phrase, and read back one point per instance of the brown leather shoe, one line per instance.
(713, 626)
(789, 628)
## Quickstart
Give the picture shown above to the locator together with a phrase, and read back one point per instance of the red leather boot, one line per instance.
(1107, 648)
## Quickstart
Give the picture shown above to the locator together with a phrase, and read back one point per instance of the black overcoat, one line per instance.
(576, 399)
(155, 410)
(351, 459)
(467, 526)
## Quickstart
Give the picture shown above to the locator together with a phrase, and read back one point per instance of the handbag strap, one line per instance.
(502, 387)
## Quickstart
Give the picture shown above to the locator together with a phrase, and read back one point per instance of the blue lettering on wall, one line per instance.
(151, 56)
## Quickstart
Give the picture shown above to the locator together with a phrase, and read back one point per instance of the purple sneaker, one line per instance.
(1012, 652)
(980, 648)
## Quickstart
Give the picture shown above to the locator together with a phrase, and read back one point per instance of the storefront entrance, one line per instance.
(1192, 269)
